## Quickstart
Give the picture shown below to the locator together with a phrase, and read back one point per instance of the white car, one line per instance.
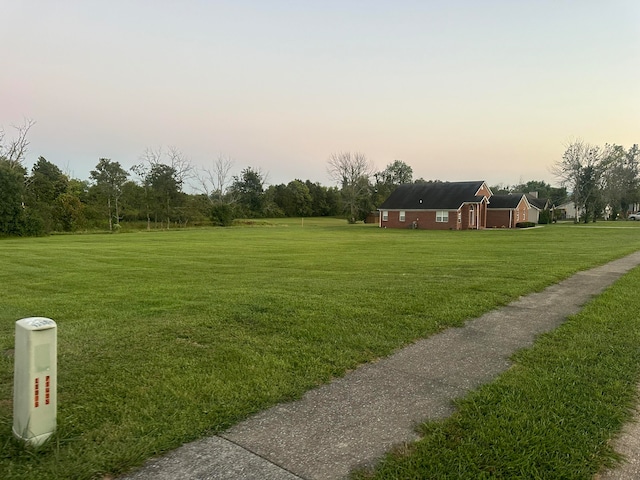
(634, 216)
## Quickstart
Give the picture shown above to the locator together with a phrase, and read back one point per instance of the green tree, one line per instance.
(325, 201)
(168, 169)
(142, 171)
(294, 198)
(79, 188)
(16, 218)
(248, 191)
(396, 173)
(366, 203)
(275, 200)
(46, 182)
(109, 177)
(12, 179)
(69, 212)
(166, 190)
(581, 170)
(542, 188)
(621, 178)
(590, 192)
(500, 189)
(558, 195)
(191, 209)
(133, 201)
(43, 187)
(214, 182)
(221, 214)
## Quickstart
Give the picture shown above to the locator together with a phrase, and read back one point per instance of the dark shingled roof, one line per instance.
(505, 201)
(539, 203)
(428, 196)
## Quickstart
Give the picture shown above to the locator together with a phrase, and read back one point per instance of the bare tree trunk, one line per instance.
(117, 212)
(110, 215)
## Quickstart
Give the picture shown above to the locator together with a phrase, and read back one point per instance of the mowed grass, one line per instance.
(168, 336)
(552, 415)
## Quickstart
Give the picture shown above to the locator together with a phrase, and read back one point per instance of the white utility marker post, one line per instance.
(35, 382)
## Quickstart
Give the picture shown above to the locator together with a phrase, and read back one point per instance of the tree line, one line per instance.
(152, 193)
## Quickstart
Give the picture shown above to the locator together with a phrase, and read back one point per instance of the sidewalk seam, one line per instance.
(260, 456)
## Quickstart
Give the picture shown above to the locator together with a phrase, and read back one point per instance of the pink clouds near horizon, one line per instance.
(457, 90)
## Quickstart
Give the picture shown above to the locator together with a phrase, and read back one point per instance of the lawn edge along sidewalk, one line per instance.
(354, 420)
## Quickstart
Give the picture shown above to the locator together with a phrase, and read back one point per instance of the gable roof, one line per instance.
(509, 201)
(539, 203)
(436, 195)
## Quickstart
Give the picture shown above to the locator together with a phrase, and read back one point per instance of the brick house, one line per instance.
(437, 206)
(505, 211)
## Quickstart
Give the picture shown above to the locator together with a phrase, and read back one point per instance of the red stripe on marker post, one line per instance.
(37, 393)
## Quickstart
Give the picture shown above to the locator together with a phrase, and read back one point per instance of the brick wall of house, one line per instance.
(521, 213)
(425, 219)
(508, 218)
(464, 220)
(498, 219)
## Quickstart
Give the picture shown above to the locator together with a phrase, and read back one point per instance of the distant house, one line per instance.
(437, 206)
(537, 206)
(568, 211)
(506, 211)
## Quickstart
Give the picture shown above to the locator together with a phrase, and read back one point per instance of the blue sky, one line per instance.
(459, 90)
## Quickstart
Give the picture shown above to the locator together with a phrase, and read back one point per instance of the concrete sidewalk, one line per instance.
(354, 420)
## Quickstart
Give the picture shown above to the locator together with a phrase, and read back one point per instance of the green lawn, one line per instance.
(167, 336)
(551, 415)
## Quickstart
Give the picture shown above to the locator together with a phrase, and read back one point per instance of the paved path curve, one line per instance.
(354, 420)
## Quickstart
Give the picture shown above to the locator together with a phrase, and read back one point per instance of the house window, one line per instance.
(385, 215)
(402, 215)
(442, 216)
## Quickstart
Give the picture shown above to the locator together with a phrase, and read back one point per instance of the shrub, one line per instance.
(222, 215)
(525, 224)
(31, 224)
(545, 217)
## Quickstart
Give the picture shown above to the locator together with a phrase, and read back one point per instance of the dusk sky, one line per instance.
(459, 90)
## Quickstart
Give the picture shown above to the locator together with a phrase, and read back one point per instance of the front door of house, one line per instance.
(472, 217)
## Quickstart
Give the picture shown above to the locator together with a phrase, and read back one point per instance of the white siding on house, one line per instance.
(569, 208)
